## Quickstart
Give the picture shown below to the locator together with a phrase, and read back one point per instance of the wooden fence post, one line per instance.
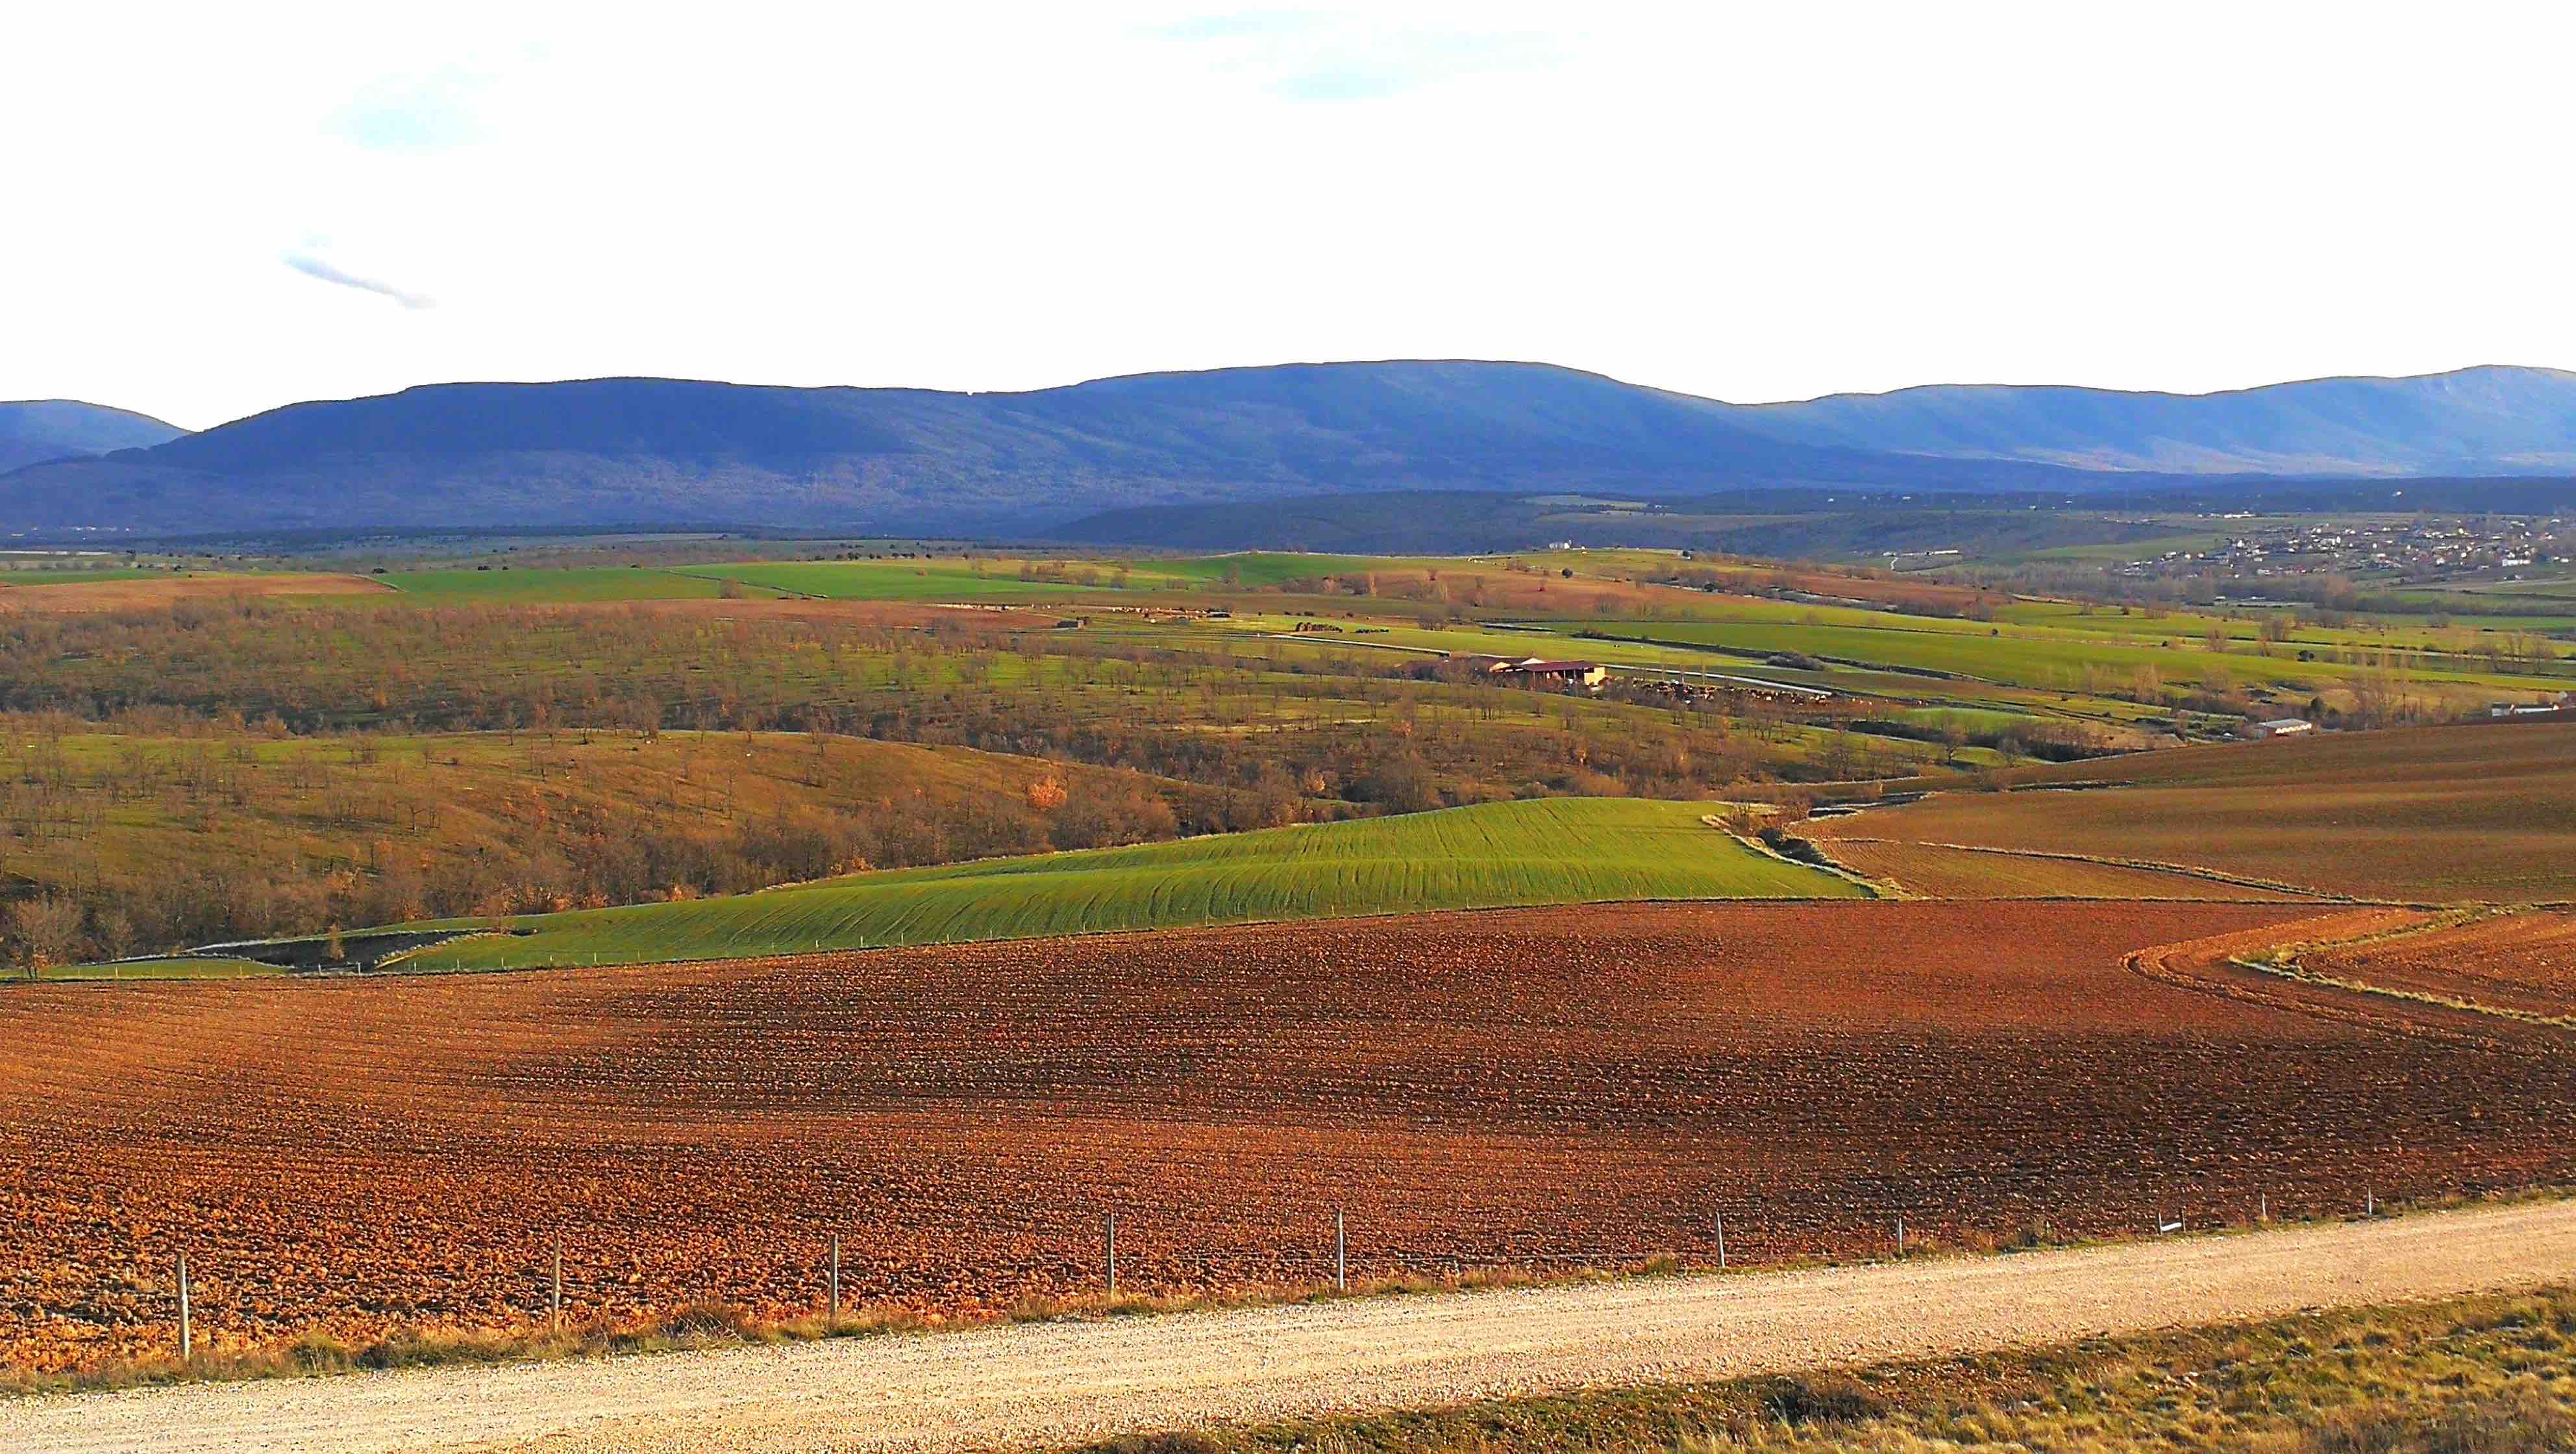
(554, 1291)
(1109, 1248)
(187, 1328)
(1721, 1241)
(1900, 1235)
(1341, 1255)
(836, 1277)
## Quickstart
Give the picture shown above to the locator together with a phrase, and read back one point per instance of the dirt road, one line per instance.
(1051, 1384)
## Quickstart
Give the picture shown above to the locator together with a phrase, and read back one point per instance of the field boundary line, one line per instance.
(2286, 965)
(2290, 970)
(2145, 865)
(777, 592)
(2174, 966)
(1206, 925)
(1875, 888)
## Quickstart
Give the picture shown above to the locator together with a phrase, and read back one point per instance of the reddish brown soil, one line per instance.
(1535, 1087)
(2524, 963)
(2479, 813)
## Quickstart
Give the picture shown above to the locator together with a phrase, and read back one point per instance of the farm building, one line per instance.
(2528, 709)
(1533, 670)
(1586, 674)
(2278, 727)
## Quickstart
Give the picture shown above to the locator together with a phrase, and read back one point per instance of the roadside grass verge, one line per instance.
(1494, 855)
(2482, 1375)
(724, 1325)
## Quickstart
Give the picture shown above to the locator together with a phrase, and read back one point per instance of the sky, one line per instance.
(213, 210)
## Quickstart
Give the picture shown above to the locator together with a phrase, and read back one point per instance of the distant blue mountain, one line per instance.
(625, 451)
(672, 451)
(35, 430)
(2478, 421)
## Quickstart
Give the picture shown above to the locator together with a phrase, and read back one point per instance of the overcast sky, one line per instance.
(221, 208)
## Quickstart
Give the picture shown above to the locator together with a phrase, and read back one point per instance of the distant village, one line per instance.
(2391, 550)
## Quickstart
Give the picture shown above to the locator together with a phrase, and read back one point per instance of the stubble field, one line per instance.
(151, 591)
(1535, 1088)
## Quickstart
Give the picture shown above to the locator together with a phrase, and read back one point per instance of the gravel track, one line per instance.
(1044, 1384)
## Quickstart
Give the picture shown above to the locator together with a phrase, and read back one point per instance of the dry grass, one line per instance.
(2484, 1375)
(717, 1325)
(144, 595)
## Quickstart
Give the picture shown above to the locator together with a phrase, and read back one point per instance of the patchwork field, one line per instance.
(1550, 851)
(2438, 815)
(1536, 1088)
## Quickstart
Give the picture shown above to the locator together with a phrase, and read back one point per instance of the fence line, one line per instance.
(1329, 1264)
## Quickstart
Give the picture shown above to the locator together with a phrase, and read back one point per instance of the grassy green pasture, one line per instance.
(948, 579)
(1549, 851)
(2027, 656)
(174, 967)
(1256, 568)
(943, 578)
(902, 580)
(555, 584)
(29, 575)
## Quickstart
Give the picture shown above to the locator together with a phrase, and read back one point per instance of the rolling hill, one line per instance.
(33, 431)
(1491, 855)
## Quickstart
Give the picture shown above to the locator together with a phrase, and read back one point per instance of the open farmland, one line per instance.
(1542, 1087)
(2479, 813)
(1495, 855)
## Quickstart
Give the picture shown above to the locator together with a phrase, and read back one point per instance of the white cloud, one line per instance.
(1750, 201)
(419, 112)
(314, 267)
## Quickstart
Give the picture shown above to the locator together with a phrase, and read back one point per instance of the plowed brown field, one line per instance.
(2473, 813)
(2523, 964)
(1942, 871)
(1535, 1087)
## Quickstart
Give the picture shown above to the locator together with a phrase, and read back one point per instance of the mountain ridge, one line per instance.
(34, 431)
(908, 460)
(903, 460)
(2499, 419)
